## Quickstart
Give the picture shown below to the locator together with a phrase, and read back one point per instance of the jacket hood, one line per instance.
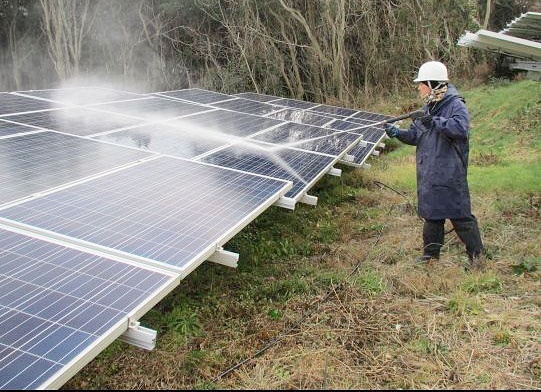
(451, 94)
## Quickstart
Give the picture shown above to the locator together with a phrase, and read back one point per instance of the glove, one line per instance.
(391, 130)
(426, 121)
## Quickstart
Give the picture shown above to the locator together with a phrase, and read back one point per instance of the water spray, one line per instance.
(413, 115)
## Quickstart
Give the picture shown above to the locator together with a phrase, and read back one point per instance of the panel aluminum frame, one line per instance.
(361, 163)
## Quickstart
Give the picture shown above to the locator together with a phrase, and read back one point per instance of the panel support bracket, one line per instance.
(308, 199)
(381, 145)
(333, 171)
(286, 202)
(224, 257)
(366, 166)
(348, 163)
(348, 158)
(139, 336)
(375, 153)
(363, 143)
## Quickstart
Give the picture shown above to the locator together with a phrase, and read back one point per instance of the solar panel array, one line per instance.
(364, 124)
(109, 198)
(167, 210)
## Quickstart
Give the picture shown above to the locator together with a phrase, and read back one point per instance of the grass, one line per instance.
(393, 324)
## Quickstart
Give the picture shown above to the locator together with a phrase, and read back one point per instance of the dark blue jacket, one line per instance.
(442, 159)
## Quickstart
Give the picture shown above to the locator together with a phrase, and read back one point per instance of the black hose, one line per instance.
(274, 341)
(313, 310)
(382, 185)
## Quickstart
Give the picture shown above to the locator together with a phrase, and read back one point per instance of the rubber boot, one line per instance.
(433, 235)
(467, 230)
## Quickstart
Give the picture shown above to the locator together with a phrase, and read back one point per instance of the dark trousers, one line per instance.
(466, 229)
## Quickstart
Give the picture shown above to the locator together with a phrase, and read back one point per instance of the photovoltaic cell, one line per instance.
(82, 96)
(257, 97)
(197, 95)
(301, 116)
(81, 122)
(167, 210)
(221, 123)
(37, 162)
(7, 128)
(247, 106)
(300, 167)
(184, 142)
(55, 302)
(153, 109)
(10, 103)
(315, 139)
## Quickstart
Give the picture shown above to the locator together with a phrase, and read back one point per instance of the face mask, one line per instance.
(436, 94)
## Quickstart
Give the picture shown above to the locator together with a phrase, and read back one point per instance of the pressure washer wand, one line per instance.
(413, 115)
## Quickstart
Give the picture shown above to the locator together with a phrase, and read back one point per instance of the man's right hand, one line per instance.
(391, 130)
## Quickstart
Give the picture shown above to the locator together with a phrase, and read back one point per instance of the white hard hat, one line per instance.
(432, 70)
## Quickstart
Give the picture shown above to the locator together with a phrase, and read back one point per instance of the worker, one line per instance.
(441, 137)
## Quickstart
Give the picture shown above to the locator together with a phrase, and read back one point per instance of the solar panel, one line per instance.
(301, 116)
(8, 129)
(165, 211)
(316, 139)
(370, 116)
(247, 106)
(221, 123)
(56, 303)
(303, 168)
(75, 121)
(197, 95)
(361, 153)
(165, 139)
(10, 103)
(36, 162)
(334, 110)
(352, 126)
(369, 134)
(257, 97)
(294, 103)
(153, 109)
(82, 95)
